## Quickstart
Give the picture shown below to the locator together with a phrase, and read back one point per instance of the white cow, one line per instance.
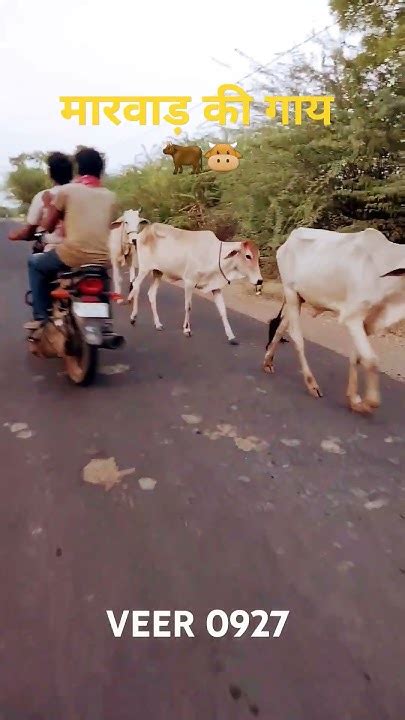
(122, 245)
(361, 277)
(200, 260)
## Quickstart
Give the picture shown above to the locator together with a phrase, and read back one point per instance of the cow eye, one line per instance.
(218, 153)
(248, 257)
(227, 152)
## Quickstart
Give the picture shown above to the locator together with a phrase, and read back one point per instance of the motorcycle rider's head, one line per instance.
(89, 162)
(60, 168)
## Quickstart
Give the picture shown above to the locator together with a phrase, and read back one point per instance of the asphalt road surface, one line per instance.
(245, 493)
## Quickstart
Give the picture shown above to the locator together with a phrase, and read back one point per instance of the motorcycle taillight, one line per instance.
(90, 286)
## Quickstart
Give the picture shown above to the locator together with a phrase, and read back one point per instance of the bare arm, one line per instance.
(25, 233)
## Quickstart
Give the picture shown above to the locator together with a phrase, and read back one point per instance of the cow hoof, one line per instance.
(315, 391)
(233, 341)
(373, 403)
(187, 333)
(133, 321)
(159, 327)
(361, 407)
(269, 369)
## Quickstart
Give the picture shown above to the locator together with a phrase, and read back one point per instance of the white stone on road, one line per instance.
(332, 445)
(117, 369)
(376, 504)
(290, 442)
(147, 483)
(192, 419)
(17, 427)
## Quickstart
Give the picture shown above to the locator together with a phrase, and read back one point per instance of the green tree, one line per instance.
(25, 182)
(27, 177)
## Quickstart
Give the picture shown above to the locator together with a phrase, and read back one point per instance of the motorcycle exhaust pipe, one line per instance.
(112, 342)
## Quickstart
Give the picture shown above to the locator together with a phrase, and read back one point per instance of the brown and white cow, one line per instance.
(360, 277)
(199, 259)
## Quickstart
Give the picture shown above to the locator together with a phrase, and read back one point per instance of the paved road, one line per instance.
(274, 522)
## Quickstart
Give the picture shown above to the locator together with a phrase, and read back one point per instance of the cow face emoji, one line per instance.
(222, 157)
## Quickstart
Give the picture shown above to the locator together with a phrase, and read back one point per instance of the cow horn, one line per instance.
(211, 144)
(233, 144)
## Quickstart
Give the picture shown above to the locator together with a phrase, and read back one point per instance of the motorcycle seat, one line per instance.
(91, 269)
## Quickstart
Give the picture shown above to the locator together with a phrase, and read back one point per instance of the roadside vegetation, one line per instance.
(346, 176)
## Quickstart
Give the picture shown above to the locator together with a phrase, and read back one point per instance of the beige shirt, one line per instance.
(36, 215)
(88, 215)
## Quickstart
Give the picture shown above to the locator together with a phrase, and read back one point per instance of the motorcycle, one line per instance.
(80, 321)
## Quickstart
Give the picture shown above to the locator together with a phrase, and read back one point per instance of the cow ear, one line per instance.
(397, 271)
(116, 223)
(208, 154)
(237, 153)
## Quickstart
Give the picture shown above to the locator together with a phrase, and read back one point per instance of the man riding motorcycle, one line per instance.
(87, 210)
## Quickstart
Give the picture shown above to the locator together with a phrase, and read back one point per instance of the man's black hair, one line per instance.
(60, 168)
(89, 162)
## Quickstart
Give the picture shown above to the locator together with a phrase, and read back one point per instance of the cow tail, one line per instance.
(274, 324)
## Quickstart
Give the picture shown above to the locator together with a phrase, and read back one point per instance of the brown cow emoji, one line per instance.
(184, 155)
(223, 157)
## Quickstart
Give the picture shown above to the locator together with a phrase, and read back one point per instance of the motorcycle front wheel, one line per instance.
(81, 368)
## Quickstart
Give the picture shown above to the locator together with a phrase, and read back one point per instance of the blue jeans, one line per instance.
(42, 268)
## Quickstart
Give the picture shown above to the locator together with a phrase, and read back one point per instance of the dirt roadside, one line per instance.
(323, 330)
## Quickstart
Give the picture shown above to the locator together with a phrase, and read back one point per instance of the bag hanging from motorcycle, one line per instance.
(48, 342)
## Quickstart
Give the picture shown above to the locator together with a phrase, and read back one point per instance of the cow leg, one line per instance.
(293, 307)
(132, 269)
(152, 292)
(368, 359)
(352, 391)
(220, 303)
(134, 294)
(270, 352)
(188, 293)
(116, 277)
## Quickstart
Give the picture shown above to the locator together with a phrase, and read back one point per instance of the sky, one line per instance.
(157, 47)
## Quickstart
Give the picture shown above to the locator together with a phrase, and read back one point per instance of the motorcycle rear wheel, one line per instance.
(81, 368)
